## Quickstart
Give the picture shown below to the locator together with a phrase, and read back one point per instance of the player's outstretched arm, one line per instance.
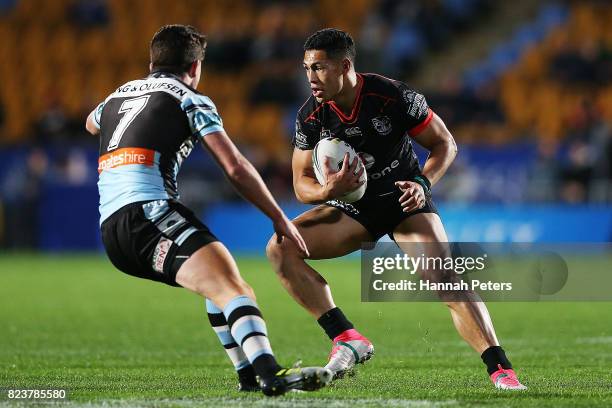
(307, 188)
(90, 124)
(247, 181)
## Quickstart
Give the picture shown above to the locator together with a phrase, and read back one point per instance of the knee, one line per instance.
(274, 251)
(228, 284)
(239, 286)
(229, 290)
(278, 252)
(247, 290)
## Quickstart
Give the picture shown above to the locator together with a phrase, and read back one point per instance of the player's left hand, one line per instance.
(413, 197)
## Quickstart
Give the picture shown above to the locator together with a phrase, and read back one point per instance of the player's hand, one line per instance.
(285, 228)
(343, 181)
(413, 197)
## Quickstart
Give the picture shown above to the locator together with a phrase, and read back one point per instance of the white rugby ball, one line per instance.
(335, 149)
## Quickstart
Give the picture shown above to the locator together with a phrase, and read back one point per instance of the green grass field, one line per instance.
(74, 322)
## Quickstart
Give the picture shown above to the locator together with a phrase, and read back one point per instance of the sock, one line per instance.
(246, 374)
(334, 322)
(249, 330)
(494, 356)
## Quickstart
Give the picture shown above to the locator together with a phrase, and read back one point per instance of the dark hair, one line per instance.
(175, 47)
(336, 43)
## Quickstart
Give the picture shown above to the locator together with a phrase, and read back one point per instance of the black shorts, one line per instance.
(152, 239)
(380, 215)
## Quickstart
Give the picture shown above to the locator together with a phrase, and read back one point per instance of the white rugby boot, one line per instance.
(350, 348)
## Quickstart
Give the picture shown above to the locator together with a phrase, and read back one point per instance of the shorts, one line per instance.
(152, 239)
(380, 215)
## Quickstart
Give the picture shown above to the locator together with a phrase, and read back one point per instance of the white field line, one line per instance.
(595, 340)
(281, 402)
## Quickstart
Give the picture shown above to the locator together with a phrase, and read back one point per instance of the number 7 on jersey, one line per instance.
(130, 108)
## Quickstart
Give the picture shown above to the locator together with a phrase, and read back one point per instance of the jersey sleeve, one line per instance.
(415, 107)
(97, 115)
(202, 115)
(306, 134)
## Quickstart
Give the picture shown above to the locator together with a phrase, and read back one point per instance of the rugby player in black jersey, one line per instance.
(147, 128)
(378, 117)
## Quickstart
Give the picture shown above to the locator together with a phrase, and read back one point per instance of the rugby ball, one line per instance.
(335, 149)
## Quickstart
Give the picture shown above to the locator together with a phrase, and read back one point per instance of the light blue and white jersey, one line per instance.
(147, 128)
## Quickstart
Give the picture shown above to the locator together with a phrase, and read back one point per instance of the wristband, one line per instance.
(424, 182)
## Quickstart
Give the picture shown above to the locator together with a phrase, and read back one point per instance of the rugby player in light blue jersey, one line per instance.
(147, 127)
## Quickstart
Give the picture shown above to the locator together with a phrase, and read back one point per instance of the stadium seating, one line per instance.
(79, 50)
(522, 114)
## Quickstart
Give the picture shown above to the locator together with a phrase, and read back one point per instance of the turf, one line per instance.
(74, 322)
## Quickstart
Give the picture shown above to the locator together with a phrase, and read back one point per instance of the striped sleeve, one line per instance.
(97, 116)
(202, 115)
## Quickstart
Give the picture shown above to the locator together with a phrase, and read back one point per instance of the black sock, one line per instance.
(247, 376)
(494, 356)
(266, 366)
(334, 322)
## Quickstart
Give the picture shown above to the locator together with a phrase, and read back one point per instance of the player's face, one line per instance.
(325, 75)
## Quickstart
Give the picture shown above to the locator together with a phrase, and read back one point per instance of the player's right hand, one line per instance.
(285, 228)
(343, 181)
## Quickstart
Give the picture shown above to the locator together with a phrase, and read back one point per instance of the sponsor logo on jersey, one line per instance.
(415, 102)
(125, 156)
(184, 151)
(382, 124)
(151, 85)
(326, 133)
(353, 132)
(408, 96)
(160, 254)
(385, 171)
(300, 138)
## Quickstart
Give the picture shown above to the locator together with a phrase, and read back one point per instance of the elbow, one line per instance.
(453, 148)
(237, 170)
(305, 199)
(301, 198)
(446, 148)
(91, 128)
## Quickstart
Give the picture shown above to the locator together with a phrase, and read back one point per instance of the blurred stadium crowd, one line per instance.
(532, 116)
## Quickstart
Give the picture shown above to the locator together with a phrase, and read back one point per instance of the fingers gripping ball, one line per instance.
(335, 149)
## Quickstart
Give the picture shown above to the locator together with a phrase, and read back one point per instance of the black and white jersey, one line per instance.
(385, 113)
(147, 128)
